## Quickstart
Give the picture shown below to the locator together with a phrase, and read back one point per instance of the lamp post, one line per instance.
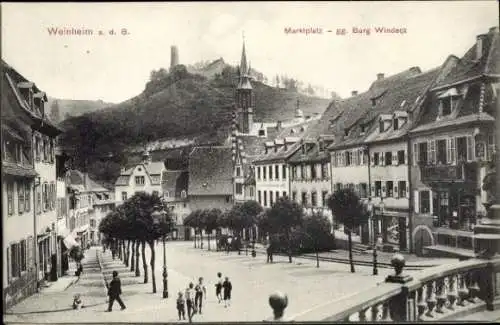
(157, 217)
(375, 270)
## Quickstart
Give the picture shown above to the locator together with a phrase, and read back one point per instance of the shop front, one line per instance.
(391, 227)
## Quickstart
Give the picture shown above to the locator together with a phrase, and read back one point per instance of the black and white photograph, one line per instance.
(224, 162)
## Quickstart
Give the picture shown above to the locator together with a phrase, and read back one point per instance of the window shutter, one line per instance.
(373, 159)
(372, 192)
(470, 149)
(9, 271)
(384, 189)
(395, 158)
(429, 151)
(407, 190)
(448, 151)
(395, 190)
(405, 157)
(415, 154)
(417, 204)
(381, 159)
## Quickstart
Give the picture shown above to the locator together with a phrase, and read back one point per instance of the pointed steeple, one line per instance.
(243, 63)
(249, 68)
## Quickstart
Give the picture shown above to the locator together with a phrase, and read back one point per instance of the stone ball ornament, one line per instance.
(278, 300)
(398, 262)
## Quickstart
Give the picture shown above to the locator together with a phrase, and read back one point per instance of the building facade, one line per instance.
(452, 147)
(175, 196)
(28, 187)
(143, 177)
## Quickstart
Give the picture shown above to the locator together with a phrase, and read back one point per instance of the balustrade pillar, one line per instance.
(463, 291)
(452, 292)
(431, 299)
(441, 297)
(422, 304)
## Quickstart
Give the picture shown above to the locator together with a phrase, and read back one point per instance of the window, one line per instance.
(441, 152)
(258, 172)
(238, 171)
(265, 198)
(324, 198)
(271, 201)
(348, 158)
(262, 133)
(45, 195)
(22, 256)
(37, 149)
(378, 189)
(338, 186)
(313, 172)
(389, 188)
(304, 198)
(20, 197)
(14, 260)
(27, 197)
(264, 174)
(259, 197)
(425, 201)
(251, 193)
(39, 200)
(395, 124)
(277, 194)
(363, 190)
(446, 106)
(270, 172)
(451, 151)
(283, 172)
(156, 193)
(422, 153)
(92, 223)
(228, 198)
(284, 193)
(303, 172)
(139, 180)
(124, 196)
(402, 189)
(462, 149)
(381, 126)
(376, 157)
(10, 198)
(314, 199)
(277, 172)
(324, 171)
(432, 152)
(401, 157)
(388, 158)
(239, 188)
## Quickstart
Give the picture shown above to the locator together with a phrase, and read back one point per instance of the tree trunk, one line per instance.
(128, 253)
(194, 237)
(144, 264)
(132, 260)
(350, 251)
(137, 270)
(119, 248)
(289, 248)
(124, 253)
(152, 264)
(208, 238)
(201, 238)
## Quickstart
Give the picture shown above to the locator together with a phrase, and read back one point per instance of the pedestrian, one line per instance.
(228, 287)
(218, 287)
(181, 309)
(114, 292)
(201, 291)
(229, 241)
(269, 253)
(189, 295)
(77, 301)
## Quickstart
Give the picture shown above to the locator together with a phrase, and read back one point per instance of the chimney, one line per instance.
(480, 45)
(354, 93)
(380, 76)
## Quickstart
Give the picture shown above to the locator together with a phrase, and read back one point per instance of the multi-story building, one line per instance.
(143, 177)
(210, 182)
(28, 187)
(271, 170)
(175, 195)
(62, 206)
(310, 182)
(452, 146)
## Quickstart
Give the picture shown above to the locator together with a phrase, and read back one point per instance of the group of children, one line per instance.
(193, 296)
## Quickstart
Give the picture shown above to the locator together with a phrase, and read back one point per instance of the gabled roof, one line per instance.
(469, 67)
(210, 171)
(280, 154)
(312, 154)
(175, 181)
(77, 178)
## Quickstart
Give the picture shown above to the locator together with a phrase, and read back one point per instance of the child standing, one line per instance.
(190, 301)
(201, 291)
(228, 287)
(218, 287)
(181, 310)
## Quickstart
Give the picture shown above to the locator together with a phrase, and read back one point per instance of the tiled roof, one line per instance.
(388, 82)
(452, 121)
(76, 177)
(312, 154)
(174, 181)
(210, 171)
(280, 154)
(14, 169)
(469, 67)
(154, 167)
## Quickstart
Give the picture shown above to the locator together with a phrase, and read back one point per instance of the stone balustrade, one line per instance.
(436, 293)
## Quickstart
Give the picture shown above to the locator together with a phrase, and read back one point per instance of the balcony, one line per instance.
(434, 173)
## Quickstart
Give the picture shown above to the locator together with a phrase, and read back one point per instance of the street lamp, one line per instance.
(157, 217)
(375, 270)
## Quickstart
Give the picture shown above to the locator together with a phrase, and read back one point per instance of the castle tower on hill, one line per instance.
(174, 56)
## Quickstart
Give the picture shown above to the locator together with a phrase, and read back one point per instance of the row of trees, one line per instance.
(131, 226)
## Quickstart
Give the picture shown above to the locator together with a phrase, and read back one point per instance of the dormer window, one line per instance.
(262, 133)
(374, 102)
(363, 129)
(446, 106)
(395, 123)
(381, 126)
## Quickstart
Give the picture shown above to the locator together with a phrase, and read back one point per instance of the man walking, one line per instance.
(189, 295)
(114, 292)
(269, 253)
(201, 291)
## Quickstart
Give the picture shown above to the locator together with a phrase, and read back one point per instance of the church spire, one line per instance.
(243, 63)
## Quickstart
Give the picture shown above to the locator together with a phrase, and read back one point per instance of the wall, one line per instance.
(47, 174)
(132, 187)
(209, 202)
(280, 183)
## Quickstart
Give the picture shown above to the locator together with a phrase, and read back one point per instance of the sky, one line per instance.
(114, 68)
